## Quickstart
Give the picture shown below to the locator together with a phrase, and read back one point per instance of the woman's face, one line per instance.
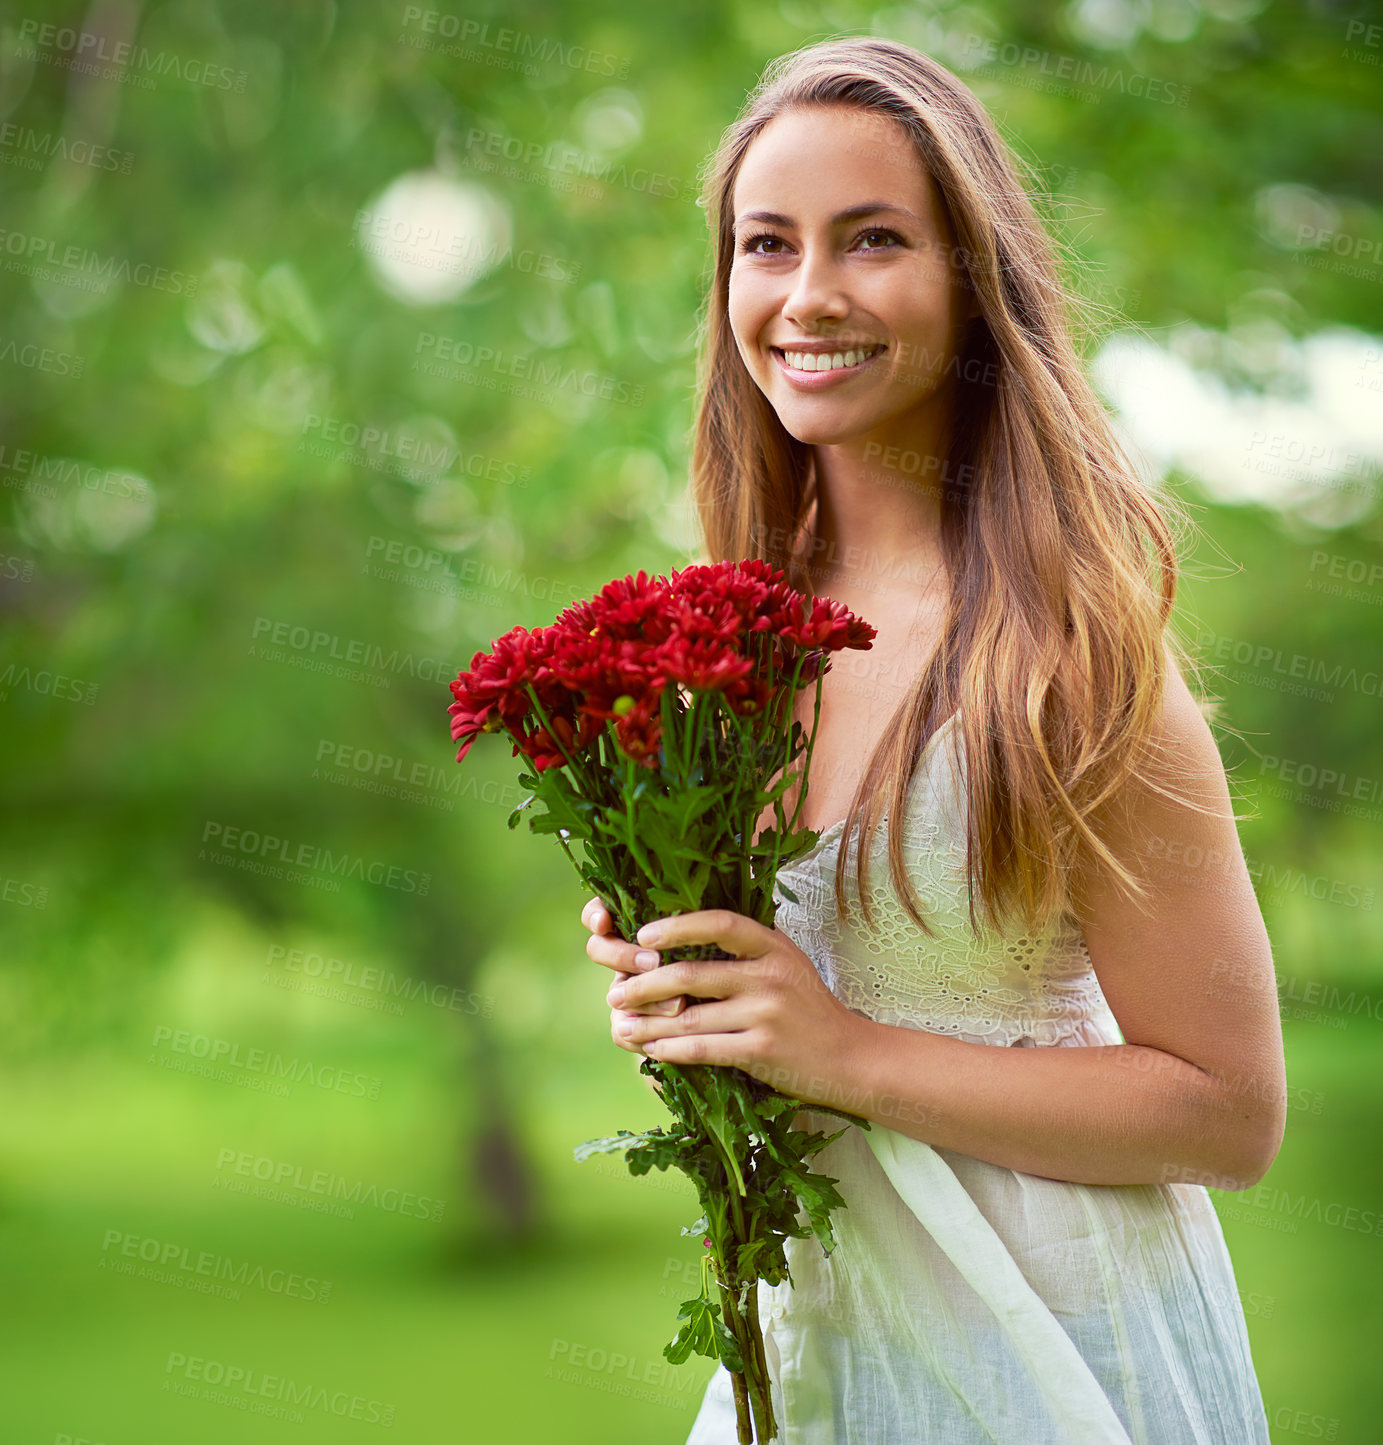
(842, 244)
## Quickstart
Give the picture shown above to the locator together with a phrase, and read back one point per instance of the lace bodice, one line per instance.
(1032, 989)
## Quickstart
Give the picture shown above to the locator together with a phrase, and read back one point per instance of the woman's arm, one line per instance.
(1197, 1092)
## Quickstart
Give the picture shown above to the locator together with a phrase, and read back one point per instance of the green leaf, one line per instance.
(614, 1144)
(697, 1332)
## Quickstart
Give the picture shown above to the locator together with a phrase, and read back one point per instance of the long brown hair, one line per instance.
(1063, 567)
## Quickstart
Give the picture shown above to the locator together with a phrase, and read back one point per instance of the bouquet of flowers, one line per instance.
(657, 719)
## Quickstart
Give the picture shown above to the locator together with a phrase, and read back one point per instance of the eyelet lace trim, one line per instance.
(1034, 988)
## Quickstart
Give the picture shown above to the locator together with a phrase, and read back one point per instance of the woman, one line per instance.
(1058, 1011)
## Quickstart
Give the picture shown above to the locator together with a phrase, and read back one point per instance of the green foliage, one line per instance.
(704, 1332)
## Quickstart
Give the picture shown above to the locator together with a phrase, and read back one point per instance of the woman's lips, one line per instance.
(819, 380)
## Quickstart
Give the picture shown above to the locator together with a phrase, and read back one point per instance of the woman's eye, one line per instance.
(892, 235)
(750, 244)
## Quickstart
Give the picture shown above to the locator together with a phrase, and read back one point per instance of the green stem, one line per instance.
(811, 743)
(746, 1398)
(787, 761)
(762, 1397)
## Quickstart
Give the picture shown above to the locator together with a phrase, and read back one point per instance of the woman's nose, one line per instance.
(816, 292)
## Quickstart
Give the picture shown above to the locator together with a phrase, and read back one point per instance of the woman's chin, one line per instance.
(818, 432)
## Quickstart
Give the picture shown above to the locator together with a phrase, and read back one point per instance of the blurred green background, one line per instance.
(336, 340)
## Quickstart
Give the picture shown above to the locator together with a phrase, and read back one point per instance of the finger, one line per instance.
(727, 1050)
(733, 1051)
(724, 1016)
(733, 933)
(617, 1038)
(596, 916)
(619, 954)
(713, 979)
(617, 1018)
(664, 1006)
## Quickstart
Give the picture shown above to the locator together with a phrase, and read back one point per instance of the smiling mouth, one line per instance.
(811, 363)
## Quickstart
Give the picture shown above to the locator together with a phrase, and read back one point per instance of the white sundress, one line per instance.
(965, 1303)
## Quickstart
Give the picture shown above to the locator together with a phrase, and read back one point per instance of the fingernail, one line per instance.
(646, 958)
(649, 934)
(616, 995)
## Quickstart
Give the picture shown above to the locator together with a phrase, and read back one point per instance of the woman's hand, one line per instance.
(766, 1010)
(605, 946)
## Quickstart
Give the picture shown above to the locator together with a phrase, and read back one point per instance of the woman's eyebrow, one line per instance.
(853, 213)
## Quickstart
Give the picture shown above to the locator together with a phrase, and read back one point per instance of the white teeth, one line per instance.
(827, 361)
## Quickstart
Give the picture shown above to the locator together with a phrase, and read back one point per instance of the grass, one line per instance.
(562, 1342)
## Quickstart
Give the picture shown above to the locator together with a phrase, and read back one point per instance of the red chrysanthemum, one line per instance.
(737, 629)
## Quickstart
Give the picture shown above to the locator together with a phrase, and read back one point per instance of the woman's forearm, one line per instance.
(1107, 1114)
